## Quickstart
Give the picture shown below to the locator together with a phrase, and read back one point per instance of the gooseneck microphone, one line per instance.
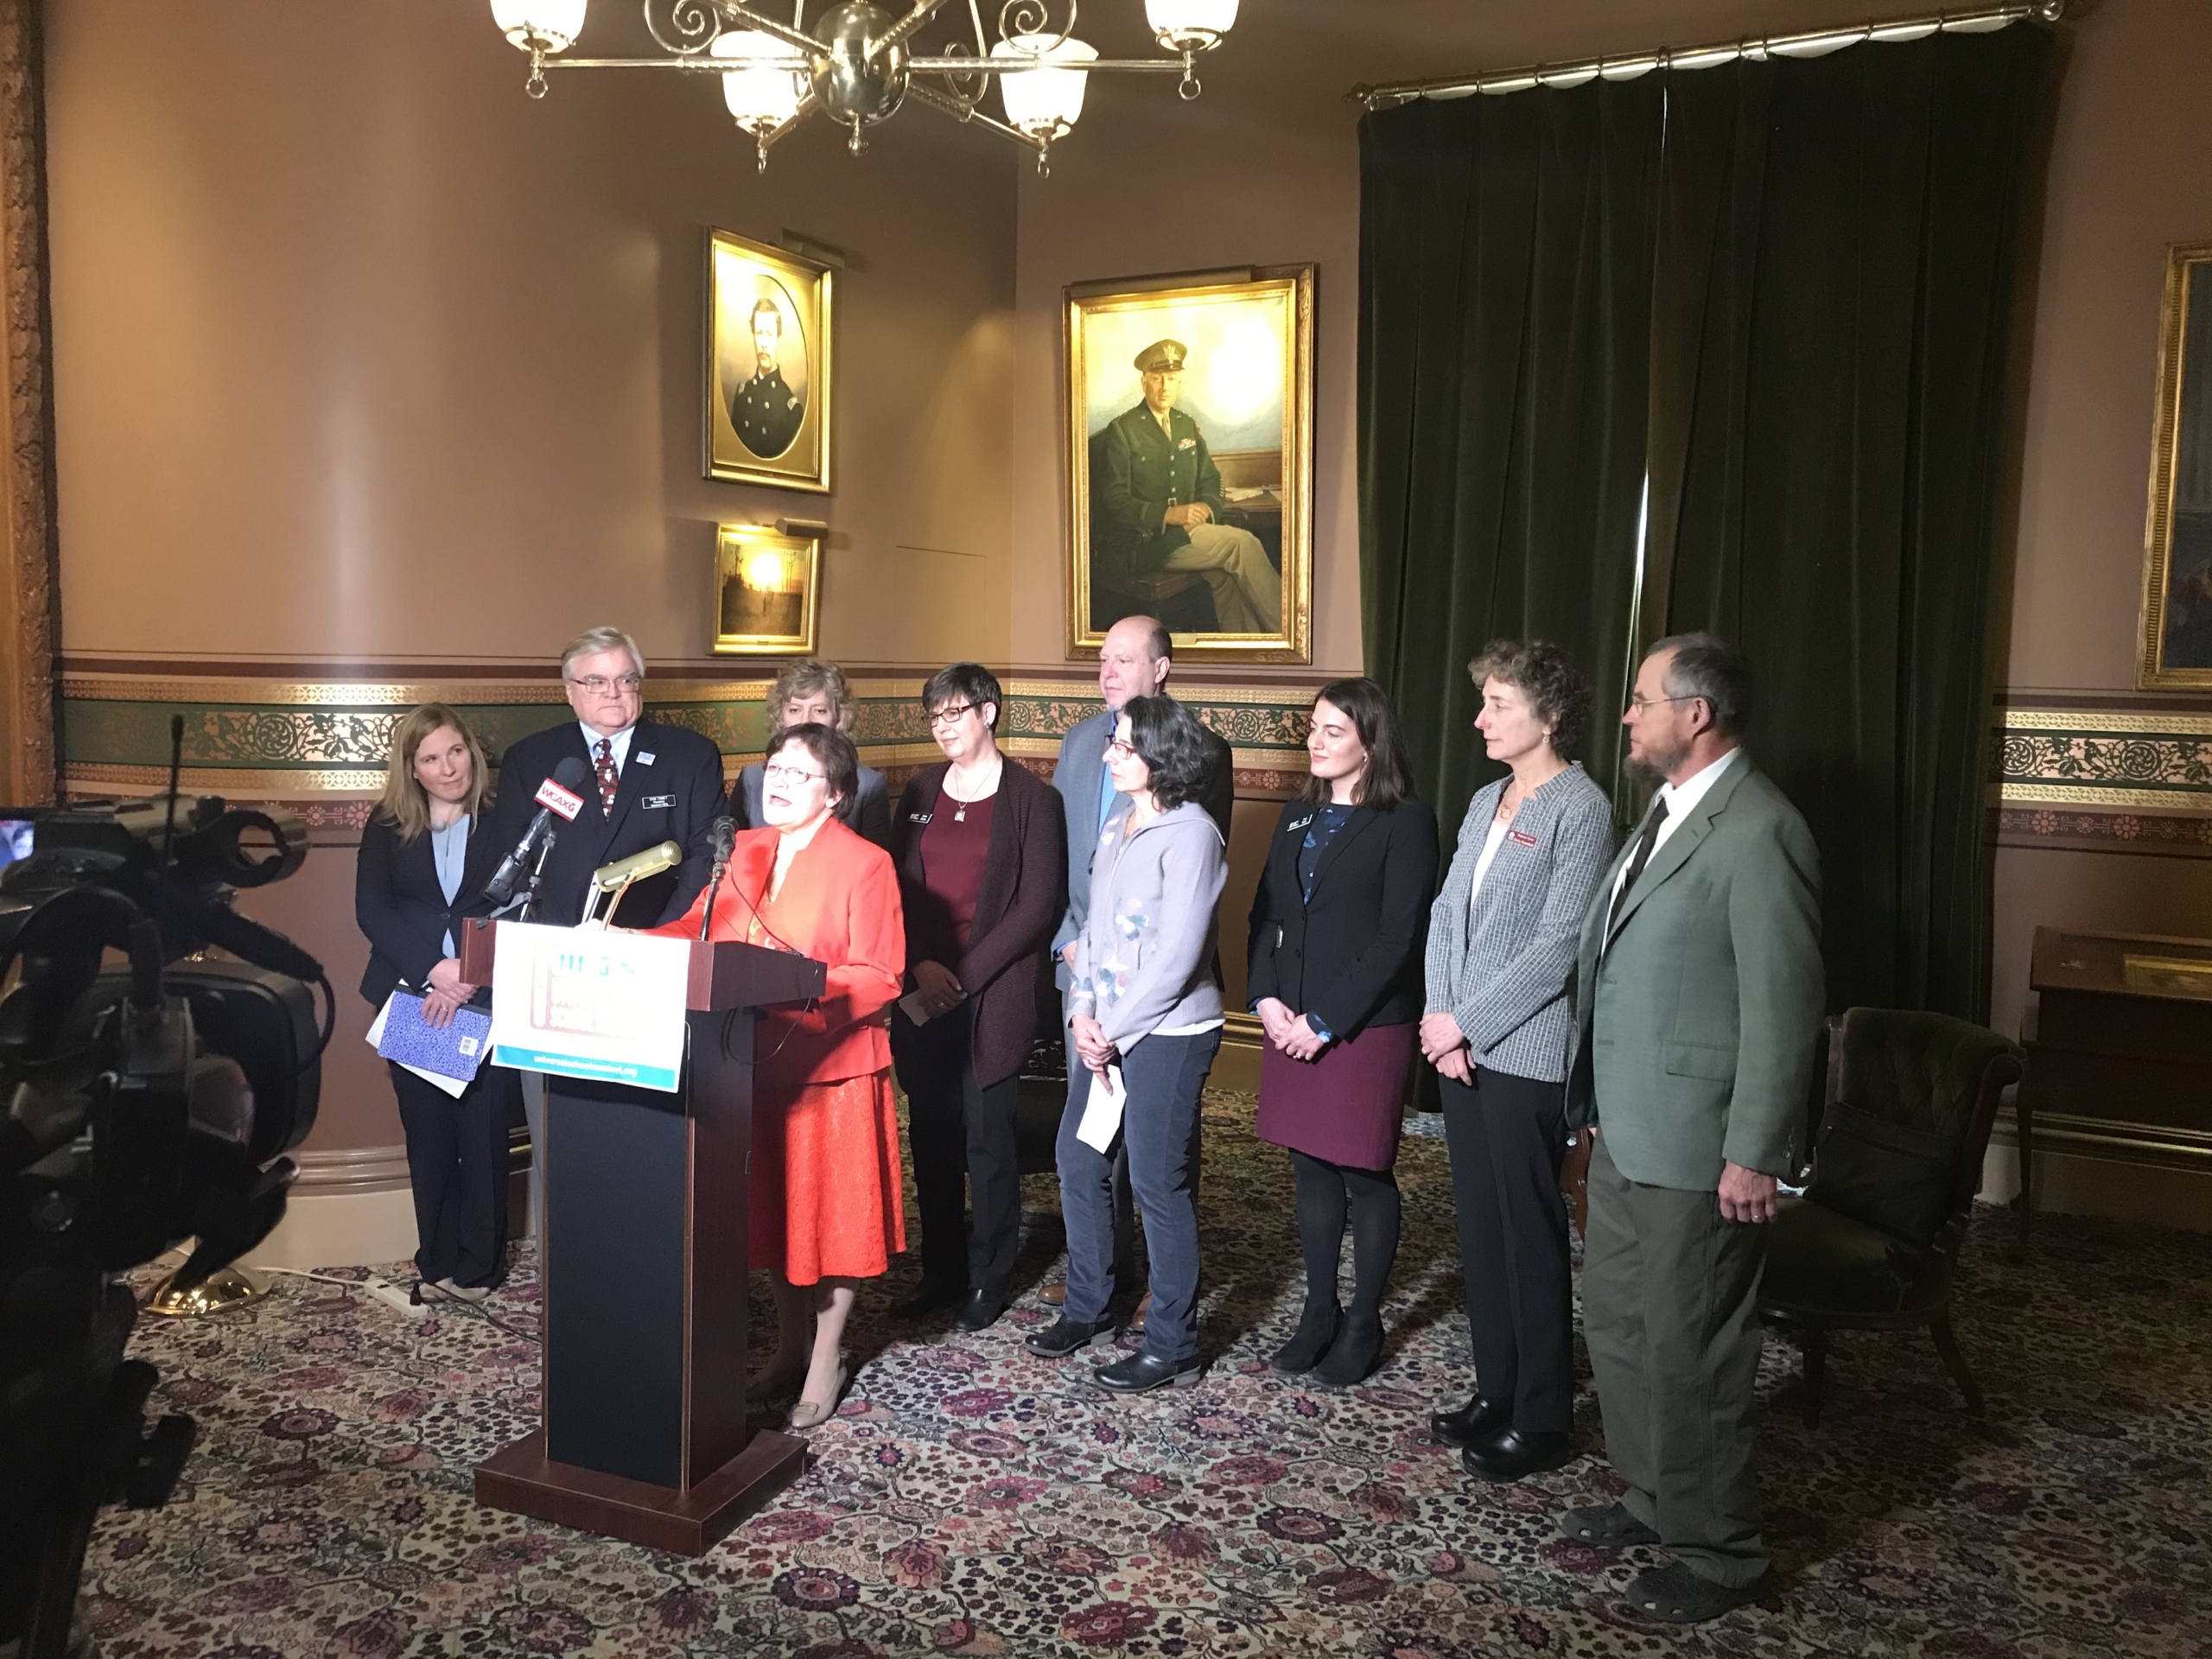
(725, 841)
(557, 794)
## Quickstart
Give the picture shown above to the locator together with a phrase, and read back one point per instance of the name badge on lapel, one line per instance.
(1293, 827)
(650, 802)
(918, 817)
(646, 760)
(1522, 837)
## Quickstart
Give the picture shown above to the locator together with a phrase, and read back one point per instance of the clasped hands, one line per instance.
(1289, 1032)
(447, 992)
(1443, 1045)
(1190, 512)
(938, 987)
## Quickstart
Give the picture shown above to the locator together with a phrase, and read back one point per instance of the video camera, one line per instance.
(141, 1105)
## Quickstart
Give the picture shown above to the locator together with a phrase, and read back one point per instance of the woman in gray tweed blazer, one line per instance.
(1502, 940)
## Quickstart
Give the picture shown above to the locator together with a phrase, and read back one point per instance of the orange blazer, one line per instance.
(840, 905)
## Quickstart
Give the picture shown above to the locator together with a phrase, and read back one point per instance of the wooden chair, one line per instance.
(1873, 1242)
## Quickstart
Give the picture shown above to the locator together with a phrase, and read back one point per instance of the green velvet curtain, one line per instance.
(1831, 334)
(1781, 292)
(1504, 258)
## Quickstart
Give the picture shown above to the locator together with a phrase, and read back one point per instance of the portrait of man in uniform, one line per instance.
(767, 370)
(1190, 447)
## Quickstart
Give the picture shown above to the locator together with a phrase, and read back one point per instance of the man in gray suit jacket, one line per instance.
(1133, 661)
(1699, 995)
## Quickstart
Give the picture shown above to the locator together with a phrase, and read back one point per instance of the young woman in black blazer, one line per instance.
(1338, 928)
(426, 853)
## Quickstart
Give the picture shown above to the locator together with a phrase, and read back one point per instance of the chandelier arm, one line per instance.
(1023, 65)
(1033, 18)
(943, 104)
(919, 13)
(697, 25)
(734, 11)
(806, 107)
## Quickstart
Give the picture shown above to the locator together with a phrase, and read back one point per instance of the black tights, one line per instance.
(1324, 1190)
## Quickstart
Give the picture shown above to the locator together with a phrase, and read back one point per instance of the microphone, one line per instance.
(556, 794)
(724, 834)
(623, 871)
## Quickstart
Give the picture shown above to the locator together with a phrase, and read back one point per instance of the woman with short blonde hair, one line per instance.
(420, 869)
(812, 692)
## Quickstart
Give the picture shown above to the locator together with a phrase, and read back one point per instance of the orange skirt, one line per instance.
(826, 1197)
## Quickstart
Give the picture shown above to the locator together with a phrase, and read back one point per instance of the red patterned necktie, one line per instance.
(609, 780)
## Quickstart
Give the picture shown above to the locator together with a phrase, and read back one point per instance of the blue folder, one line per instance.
(452, 1051)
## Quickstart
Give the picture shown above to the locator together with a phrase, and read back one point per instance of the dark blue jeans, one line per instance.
(1160, 1128)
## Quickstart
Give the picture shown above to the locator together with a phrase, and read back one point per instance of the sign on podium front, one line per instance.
(581, 1002)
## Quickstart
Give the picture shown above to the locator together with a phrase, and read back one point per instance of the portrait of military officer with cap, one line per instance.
(765, 411)
(1156, 504)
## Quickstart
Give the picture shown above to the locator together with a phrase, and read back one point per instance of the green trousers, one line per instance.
(1670, 1310)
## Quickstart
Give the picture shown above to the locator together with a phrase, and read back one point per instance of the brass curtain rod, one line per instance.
(1812, 43)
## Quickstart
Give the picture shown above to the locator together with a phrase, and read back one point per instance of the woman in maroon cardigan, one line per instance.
(981, 848)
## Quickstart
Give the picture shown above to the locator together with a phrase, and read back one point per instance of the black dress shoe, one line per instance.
(982, 1310)
(1141, 1373)
(1509, 1454)
(1470, 1425)
(1316, 1329)
(1675, 1595)
(1064, 1336)
(1353, 1356)
(930, 1296)
(1608, 1527)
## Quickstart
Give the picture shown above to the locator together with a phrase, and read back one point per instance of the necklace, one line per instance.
(959, 806)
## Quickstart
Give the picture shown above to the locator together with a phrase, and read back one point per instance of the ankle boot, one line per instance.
(1354, 1355)
(1316, 1329)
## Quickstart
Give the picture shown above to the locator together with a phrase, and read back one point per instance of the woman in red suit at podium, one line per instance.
(827, 1208)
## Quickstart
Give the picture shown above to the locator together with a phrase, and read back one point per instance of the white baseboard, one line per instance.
(2158, 1195)
(341, 1230)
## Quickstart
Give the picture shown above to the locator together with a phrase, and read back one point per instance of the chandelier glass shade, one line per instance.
(1044, 103)
(767, 92)
(861, 62)
(1190, 25)
(540, 25)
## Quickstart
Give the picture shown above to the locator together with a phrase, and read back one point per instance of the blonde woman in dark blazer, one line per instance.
(1502, 940)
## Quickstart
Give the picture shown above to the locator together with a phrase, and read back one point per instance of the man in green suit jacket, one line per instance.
(1699, 997)
(1156, 504)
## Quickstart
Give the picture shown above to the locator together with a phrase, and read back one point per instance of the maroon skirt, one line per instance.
(1344, 1107)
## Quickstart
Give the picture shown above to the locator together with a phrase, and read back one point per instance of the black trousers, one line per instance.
(1507, 1138)
(457, 1164)
(958, 1129)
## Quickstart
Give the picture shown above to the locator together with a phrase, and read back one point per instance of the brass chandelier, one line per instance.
(857, 67)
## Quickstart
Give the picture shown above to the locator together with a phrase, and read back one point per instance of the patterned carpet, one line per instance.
(971, 1499)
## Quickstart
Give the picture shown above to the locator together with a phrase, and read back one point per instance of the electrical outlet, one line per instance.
(395, 1297)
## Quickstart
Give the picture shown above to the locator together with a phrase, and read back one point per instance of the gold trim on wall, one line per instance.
(2184, 261)
(809, 284)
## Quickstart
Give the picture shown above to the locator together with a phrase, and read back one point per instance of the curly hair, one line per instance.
(832, 751)
(1546, 676)
(1173, 746)
(804, 679)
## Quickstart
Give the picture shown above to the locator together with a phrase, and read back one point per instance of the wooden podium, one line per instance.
(642, 1268)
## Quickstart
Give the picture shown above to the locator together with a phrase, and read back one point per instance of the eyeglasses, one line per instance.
(1121, 747)
(599, 686)
(948, 715)
(774, 774)
(1639, 704)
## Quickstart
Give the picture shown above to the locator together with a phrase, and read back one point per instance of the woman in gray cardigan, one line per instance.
(1502, 940)
(1145, 1021)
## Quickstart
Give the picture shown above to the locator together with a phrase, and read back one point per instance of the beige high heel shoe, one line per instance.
(813, 1414)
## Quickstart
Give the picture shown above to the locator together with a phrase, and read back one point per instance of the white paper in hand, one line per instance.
(1101, 1111)
(911, 1005)
(454, 1086)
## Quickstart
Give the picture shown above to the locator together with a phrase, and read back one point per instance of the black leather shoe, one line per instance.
(1470, 1425)
(1606, 1527)
(1353, 1356)
(1141, 1373)
(982, 1310)
(1064, 1336)
(930, 1296)
(1316, 1329)
(1509, 1454)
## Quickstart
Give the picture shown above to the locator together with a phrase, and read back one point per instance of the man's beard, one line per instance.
(1656, 768)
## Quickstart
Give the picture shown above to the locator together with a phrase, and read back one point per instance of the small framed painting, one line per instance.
(2178, 541)
(766, 584)
(767, 370)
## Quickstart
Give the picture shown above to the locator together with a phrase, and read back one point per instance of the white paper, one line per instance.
(578, 1002)
(454, 1086)
(1101, 1111)
(911, 1006)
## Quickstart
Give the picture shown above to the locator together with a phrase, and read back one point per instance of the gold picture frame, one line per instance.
(768, 393)
(1239, 345)
(767, 592)
(2177, 616)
